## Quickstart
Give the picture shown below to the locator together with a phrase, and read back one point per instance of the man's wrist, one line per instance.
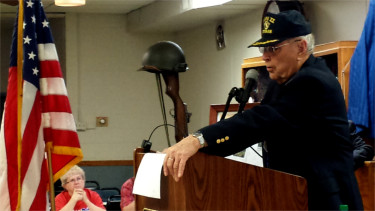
(199, 136)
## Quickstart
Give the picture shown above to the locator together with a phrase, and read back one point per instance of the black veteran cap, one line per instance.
(282, 26)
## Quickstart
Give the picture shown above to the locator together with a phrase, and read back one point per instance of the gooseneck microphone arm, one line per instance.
(234, 92)
(242, 95)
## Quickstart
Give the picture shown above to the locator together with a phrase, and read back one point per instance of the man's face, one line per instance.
(282, 60)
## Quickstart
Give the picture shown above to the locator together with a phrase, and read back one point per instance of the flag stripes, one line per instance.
(37, 116)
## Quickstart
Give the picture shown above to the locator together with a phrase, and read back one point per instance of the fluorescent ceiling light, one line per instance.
(70, 3)
(195, 4)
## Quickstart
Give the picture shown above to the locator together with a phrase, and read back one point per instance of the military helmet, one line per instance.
(164, 56)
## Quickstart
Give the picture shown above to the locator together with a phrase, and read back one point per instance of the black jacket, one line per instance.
(305, 126)
(362, 151)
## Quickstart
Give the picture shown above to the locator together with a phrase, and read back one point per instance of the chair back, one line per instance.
(92, 185)
(113, 203)
(58, 187)
(105, 193)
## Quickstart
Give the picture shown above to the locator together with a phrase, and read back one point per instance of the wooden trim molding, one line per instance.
(106, 163)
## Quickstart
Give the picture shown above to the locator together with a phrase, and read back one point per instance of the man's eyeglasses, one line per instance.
(273, 49)
(78, 179)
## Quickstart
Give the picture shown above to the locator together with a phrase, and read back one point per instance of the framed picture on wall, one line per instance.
(251, 155)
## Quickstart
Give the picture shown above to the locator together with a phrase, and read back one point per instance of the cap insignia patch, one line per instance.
(266, 24)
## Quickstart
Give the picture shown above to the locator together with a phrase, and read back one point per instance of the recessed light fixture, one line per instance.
(70, 3)
(195, 4)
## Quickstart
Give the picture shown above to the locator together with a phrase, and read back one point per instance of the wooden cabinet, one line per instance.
(365, 178)
(336, 54)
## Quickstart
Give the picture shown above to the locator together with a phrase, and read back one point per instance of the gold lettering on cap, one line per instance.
(265, 31)
(266, 24)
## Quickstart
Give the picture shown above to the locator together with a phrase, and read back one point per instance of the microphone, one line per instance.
(250, 83)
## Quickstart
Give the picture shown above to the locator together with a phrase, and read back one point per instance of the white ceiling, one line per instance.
(149, 15)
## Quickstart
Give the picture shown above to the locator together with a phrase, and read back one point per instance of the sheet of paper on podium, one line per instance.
(147, 180)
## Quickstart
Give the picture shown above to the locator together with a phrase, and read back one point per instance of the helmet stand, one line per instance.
(161, 98)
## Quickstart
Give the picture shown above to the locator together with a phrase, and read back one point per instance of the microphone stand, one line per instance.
(234, 92)
(238, 93)
(242, 106)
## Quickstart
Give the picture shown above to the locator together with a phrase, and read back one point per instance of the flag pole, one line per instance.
(19, 95)
(50, 173)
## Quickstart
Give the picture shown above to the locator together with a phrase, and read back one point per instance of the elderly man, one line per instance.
(302, 118)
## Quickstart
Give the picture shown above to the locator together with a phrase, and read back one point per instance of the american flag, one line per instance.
(37, 115)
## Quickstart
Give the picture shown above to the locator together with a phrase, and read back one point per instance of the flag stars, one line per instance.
(31, 55)
(33, 19)
(45, 23)
(24, 25)
(35, 71)
(27, 40)
(29, 3)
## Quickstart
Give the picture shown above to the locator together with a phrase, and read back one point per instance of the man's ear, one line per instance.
(302, 47)
(302, 50)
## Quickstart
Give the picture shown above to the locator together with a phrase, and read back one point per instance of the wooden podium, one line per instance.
(366, 182)
(216, 183)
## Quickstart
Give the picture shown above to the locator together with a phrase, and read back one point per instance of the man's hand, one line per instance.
(178, 154)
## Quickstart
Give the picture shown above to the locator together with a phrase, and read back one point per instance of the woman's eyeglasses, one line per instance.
(273, 49)
(78, 179)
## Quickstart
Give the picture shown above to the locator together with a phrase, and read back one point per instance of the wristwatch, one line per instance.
(200, 138)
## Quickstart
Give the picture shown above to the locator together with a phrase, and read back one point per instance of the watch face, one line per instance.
(197, 134)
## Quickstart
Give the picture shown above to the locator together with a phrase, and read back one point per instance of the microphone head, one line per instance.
(252, 73)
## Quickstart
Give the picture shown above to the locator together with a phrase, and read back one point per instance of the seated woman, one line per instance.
(76, 196)
(127, 196)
